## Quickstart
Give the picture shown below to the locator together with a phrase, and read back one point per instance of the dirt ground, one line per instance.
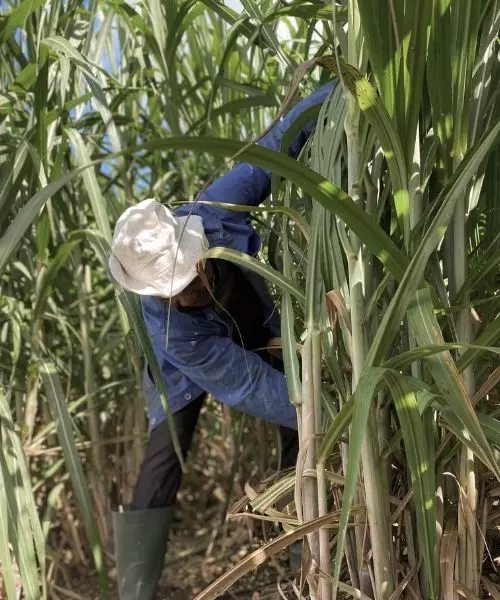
(185, 577)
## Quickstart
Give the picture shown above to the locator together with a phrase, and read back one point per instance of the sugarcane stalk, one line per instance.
(467, 524)
(375, 484)
(309, 355)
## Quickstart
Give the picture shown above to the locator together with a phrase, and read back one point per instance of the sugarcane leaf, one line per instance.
(422, 474)
(339, 425)
(17, 17)
(95, 195)
(413, 278)
(490, 335)
(368, 384)
(16, 230)
(290, 212)
(45, 288)
(19, 525)
(410, 356)
(244, 260)
(319, 188)
(449, 383)
(58, 408)
(25, 497)
(5, 557)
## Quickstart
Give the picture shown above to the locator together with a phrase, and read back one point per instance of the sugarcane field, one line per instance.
(249, 299)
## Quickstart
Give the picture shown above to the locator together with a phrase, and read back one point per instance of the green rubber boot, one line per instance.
(140, 538)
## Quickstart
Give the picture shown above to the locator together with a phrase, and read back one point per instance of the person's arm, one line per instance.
(247, 184)
(234, 376)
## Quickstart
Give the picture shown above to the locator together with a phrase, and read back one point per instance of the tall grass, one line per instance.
(392, 294)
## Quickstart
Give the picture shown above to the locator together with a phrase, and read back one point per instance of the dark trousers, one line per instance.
(160, 474)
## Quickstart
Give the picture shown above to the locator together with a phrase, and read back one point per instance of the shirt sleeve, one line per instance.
(234, 376)
(249, 184)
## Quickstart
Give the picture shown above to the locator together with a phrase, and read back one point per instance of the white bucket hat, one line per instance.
(155, 253)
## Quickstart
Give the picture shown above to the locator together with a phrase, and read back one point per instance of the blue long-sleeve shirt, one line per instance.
(200, 355)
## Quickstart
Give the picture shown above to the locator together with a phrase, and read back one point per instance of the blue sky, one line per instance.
(235, 4)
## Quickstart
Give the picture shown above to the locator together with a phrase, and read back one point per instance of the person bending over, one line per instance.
(206, 320)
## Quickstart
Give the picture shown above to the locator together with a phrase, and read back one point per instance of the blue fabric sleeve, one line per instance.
(233, 376)
(249, 184)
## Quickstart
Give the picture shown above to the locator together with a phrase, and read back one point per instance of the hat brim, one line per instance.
(183, 274)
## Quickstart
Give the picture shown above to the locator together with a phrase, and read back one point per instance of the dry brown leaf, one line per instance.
(258, 557)
(491, 588)
(405, 581)
(465, 592)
